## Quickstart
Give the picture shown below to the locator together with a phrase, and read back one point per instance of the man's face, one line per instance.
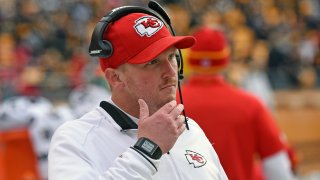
(155, 81)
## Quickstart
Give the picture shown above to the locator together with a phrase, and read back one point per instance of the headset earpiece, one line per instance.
(107, 47)
(178, 60)
(180, 71)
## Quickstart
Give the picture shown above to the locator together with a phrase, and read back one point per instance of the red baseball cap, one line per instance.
(210, 53)
(138, 38)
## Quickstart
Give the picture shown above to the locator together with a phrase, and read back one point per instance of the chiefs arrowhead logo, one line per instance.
(147, 25)
(195, 158)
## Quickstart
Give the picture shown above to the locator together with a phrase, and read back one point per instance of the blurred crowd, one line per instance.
(44, 44)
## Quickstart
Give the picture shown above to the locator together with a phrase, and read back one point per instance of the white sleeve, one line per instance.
(66, 161)
(132, 165)
(277, 167)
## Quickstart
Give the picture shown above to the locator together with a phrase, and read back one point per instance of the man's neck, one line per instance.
(127, 105)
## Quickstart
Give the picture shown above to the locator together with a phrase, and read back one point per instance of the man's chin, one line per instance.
(170, 98)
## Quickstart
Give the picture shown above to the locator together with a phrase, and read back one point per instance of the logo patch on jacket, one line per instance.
(148, 25)
(195, 158)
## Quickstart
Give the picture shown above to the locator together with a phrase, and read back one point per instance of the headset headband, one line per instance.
(103, 48)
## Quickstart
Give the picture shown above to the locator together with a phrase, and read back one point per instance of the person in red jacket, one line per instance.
(238, 125)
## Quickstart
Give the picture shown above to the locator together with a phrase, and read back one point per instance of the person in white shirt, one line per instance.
(139, 132)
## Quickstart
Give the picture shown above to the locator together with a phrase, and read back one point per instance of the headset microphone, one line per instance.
(156, 7)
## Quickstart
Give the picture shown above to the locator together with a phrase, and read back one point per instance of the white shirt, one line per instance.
(94, 147)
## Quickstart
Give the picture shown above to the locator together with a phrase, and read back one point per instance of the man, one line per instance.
(240, 128)
(153, 142)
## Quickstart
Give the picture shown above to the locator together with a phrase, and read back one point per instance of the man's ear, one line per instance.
(113, 77)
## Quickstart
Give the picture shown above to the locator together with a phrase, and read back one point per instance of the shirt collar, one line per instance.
(121, 118)
(206, 79)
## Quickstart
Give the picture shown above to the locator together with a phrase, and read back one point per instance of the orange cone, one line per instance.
(18, 160)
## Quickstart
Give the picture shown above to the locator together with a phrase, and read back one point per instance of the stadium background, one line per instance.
(275, 54)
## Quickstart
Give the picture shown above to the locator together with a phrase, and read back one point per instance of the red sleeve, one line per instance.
(268, 134)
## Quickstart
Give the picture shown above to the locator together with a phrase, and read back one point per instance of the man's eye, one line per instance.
(172, 57)
(155, 61)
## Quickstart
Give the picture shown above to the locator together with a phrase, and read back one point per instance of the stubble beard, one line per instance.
(158, 100)
(155, 105)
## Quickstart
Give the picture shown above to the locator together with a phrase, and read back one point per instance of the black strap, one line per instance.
(124, 121)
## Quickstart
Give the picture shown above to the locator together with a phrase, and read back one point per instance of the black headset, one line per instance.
(103, 48)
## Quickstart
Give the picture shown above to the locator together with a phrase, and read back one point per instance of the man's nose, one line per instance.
(170, 68)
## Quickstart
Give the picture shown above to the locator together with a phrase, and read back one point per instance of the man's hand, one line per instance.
(164, 126)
